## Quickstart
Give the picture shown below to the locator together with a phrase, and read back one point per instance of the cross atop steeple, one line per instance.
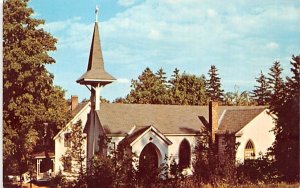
(97, 12)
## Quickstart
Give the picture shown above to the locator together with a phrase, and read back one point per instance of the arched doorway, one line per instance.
(184, 154)
(148, 160)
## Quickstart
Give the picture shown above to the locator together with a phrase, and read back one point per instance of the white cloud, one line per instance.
(72, 34)
(123, 80)
(211, 13)
(154, 34)
(126, 3)
(190, 35)
(272, 45)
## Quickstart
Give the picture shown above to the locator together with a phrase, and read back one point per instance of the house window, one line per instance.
(184, 154)
(67, 140)
(67, 164)
(249, 151)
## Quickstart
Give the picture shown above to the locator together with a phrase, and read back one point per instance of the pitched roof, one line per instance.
(138, 131)
(95, 70)
(235, 119)
(79, 107)
(43, 154)
(168, 119)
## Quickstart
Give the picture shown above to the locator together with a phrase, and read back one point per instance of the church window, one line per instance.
(249, 151)
(184, 154)
(67, 140)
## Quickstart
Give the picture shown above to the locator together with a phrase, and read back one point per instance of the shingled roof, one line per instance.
(168, 119)
(234, 120)
(138, 131)
(78, 108)
(95, 70)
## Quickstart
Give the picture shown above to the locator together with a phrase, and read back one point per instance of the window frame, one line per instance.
(67, 140)
(249, 150)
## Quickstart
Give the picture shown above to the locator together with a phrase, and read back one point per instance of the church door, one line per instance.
(148, 160)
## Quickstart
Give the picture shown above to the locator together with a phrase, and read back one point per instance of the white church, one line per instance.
(159, 130)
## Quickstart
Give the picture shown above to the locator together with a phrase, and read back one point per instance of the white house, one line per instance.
(159, 130)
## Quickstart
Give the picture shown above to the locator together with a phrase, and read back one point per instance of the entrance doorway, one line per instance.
(148, 160)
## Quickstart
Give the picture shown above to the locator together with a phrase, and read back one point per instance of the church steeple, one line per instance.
(95, 76)
(95, 73)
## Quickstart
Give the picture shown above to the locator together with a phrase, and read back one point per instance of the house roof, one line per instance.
(234, 120)
(43, 155)
(139, 131)
(168, 119)
(79, 107)
(95, 71)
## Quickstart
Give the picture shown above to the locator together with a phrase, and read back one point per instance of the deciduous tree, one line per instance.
(149, 88)
(186, 89)
(29, 97)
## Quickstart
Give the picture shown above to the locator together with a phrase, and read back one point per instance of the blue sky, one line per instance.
(240, 37)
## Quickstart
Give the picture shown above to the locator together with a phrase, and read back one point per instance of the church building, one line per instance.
(156, 131)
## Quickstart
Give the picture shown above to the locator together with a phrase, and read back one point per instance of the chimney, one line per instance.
(213, 118)
(74, 102)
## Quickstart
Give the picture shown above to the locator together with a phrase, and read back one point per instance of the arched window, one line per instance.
(249, 150)
(184, 154)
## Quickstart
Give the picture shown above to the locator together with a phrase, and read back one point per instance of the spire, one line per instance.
(95, 73)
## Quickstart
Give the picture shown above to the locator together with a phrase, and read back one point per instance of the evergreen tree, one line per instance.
(29, 97)
(261, 93)
(276, 84)
(162, 89)
(286, 114)
(175, 96)
(213, 89)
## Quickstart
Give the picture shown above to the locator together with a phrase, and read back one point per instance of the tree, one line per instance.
(286, 115)
(75, 155)
(175, 94)
(114, 162)
(188, 90)
(162, 89)
(237, 98)
(150, 88)
(261, 93)
(28, 90)
(213, 89)
(276, 84)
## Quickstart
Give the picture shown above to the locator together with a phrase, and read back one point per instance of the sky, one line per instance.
(241, 38)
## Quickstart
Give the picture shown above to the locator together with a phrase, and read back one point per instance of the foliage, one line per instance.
(237, 98)
(213, 167)
(75, 153)
(29, 97)
(187, 89)
(261, 93)
(213, 87)
(105, 168)
(276, 84)
(150, 88)
(206, 159)
(285, 109)
(181, 89)
(260, 170)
